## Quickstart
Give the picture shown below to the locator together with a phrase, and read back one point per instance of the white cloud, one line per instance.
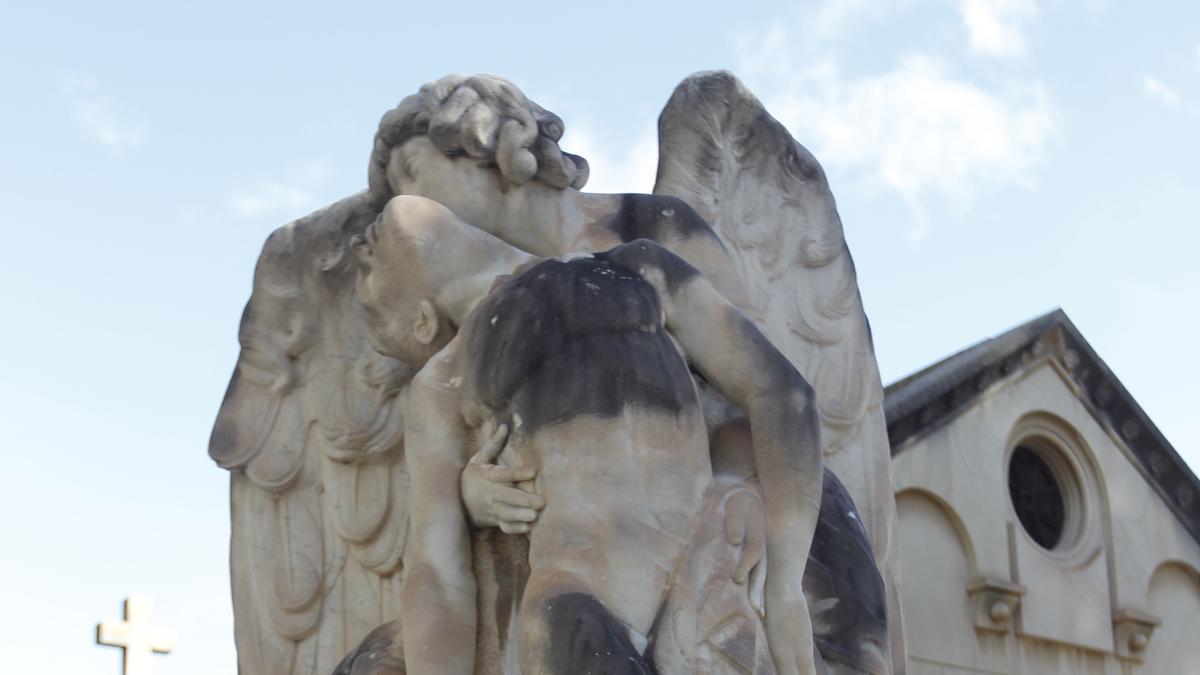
(616, 166)
(102, 117)
(1158, 90)
(918, 128)
(996, 27)
(293, 196)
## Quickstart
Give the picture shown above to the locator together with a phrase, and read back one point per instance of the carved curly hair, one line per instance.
(486, 118)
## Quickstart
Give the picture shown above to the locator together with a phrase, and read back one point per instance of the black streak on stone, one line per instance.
(586, 638)
(573, 338)
(379, 652)
(841, 566)
(658, 217)
(785, 382)
(647, 254)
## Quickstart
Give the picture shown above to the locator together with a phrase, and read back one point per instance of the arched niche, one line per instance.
(1174, 599)
(937, 564)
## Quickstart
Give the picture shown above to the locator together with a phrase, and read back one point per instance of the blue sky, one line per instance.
(992, 159)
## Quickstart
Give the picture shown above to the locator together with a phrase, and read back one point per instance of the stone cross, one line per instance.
(135, 636)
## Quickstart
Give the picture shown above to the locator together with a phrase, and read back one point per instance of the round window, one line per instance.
(1037, 497)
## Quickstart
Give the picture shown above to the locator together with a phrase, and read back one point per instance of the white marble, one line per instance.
(313, 424)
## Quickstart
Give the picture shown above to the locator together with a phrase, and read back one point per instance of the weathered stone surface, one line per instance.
(554, 467)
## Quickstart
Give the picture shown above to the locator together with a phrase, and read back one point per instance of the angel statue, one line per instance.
(313, 424)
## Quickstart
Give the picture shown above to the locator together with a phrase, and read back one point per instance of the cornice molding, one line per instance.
(933, 397)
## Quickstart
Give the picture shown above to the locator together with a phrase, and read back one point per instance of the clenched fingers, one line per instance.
(509, 474)
(492, 446)
(513, 528)
(518, 498)
(515, 514)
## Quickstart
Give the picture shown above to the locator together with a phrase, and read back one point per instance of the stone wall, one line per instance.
(1119, 593)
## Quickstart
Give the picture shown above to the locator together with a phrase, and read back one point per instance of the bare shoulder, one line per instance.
(435, 392)
(437, 372)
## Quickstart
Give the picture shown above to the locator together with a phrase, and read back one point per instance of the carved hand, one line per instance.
(490, 492)
(746, 527)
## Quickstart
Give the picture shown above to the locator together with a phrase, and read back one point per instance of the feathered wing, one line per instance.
(768, 199)
(311, 430)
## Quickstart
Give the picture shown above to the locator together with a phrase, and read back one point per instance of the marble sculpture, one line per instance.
(485, 422)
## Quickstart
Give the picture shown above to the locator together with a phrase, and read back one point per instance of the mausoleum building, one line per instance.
(1045, 524)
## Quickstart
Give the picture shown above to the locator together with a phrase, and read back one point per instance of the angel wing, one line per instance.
(768, 199)
(311, 430)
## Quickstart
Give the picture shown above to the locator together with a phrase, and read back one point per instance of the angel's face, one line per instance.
(475, 193)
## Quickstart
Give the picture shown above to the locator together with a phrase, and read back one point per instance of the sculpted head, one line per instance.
(398, 279)
(420, 271)
(470, 143)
